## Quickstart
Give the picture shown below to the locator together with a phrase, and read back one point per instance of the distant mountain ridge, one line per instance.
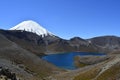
(31, 36)
(106, 43)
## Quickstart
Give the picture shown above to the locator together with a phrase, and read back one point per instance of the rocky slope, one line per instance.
(23, 63)
(107, 70)
(106, 43)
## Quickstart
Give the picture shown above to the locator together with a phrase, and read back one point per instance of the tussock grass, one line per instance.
(88, 75)
(111, 74)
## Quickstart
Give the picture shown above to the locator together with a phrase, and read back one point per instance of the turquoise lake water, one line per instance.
(66, 60)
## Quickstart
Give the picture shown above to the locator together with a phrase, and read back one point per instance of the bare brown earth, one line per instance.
(26, 65)
(104, 70)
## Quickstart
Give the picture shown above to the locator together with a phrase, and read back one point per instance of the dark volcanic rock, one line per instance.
(8, 75)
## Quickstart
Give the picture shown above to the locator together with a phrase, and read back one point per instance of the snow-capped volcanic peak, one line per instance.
(32, 26)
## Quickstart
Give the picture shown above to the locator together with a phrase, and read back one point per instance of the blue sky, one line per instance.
(65, 18)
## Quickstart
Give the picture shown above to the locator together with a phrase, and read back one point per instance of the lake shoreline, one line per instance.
(66, 60)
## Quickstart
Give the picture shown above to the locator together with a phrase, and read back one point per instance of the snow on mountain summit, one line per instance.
(32, 26)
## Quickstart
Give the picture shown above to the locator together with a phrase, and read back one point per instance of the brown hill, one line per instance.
(24, 63)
